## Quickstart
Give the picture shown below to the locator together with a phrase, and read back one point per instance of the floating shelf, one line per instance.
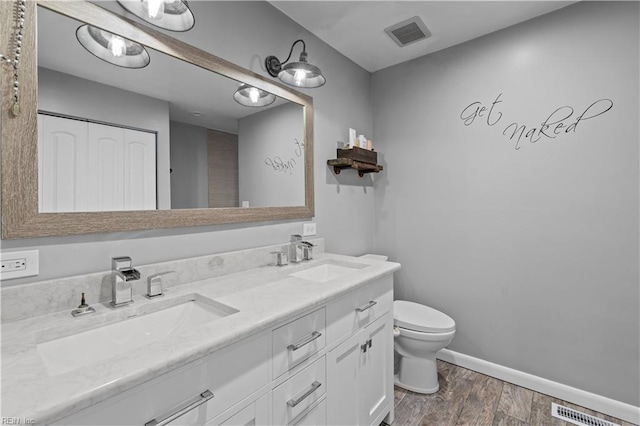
(347, 163)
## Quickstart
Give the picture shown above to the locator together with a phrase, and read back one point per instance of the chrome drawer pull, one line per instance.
(367, 306)
(305, 341)
(314, 386)
(181, 409)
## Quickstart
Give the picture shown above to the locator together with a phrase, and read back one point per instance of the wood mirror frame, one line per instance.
(20, 216)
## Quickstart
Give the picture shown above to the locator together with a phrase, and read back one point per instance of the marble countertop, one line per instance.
(264, 297)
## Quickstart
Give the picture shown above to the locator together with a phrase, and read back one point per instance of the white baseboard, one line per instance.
(570, 394)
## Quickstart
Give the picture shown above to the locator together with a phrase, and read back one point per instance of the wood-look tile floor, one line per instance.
(470, 398)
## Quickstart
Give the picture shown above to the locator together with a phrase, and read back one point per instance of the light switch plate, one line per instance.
(308, 229)
(18, 264)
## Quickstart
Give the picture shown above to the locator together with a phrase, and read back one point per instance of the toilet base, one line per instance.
(418, 374)
(398, 383)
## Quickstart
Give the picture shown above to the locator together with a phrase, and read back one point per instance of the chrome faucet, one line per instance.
(295, 251)
(123, 275)
(299, 250)
(307, 250)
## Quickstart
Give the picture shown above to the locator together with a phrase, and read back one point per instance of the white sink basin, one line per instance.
(139, 327)
(328, 271)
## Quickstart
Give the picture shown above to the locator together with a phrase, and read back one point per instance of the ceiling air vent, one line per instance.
(408, 31)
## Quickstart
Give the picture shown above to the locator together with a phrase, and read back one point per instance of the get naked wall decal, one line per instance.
(561, 121)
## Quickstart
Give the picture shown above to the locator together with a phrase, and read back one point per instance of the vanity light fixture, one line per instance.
(296, 74)
(248, 95)
(112, 48)
(172, 15)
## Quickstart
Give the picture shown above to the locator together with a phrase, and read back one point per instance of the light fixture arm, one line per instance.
(304, 49)
(274, 65)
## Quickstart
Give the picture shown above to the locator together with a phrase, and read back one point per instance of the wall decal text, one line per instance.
(279, 165)
(562, 120)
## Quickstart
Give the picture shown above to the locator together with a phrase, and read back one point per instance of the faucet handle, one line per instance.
(281, 258)
(156, 283)
(154, 286)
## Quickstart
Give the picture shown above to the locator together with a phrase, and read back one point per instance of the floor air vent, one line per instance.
(576, 417)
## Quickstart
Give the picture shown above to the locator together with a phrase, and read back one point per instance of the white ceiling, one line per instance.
(356, 28)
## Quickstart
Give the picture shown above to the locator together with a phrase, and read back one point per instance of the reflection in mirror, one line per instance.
(167, 136)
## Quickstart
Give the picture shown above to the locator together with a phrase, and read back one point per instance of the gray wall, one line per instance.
(245, 33)
(189, 176)
(534, 251)
(270, 163)
(66, 94)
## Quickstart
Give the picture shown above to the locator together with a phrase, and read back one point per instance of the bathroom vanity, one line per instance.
(307, 343)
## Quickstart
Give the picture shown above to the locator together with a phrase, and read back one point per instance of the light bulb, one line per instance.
(299, 76)
(155, 8)
(117, 46)
(254, 95)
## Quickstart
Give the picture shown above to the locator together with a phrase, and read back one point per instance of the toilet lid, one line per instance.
(417, 317)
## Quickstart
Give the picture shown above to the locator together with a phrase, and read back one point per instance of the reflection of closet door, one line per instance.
(94, 167)
(106, 155)
(139, 170)
(63, 168)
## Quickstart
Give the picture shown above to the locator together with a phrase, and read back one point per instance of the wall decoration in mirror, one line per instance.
(159, 146)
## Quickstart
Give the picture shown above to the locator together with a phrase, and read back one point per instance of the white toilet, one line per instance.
(420, 332)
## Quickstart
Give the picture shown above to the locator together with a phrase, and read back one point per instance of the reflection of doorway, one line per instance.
(222, 166)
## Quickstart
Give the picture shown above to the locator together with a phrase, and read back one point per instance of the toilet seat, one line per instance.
(421, 318)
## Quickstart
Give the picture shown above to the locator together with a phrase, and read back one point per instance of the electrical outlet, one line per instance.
(18, 264)
(308, 229)
(14, 265)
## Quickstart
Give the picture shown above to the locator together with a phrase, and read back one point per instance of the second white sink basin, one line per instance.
(328, 271)
(138, 328)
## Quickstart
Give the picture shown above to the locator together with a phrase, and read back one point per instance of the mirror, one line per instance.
(209, 150)
(207, 155)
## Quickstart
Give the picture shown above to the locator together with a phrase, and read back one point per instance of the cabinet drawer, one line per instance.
(236, 373)
(359, 308)
(255, 413)
(230, 374)
(149, 401)
(298, 340)
(316, 417)
(297, 394)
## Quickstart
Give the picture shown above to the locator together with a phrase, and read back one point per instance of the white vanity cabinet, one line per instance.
(332, 365)
(360, 367)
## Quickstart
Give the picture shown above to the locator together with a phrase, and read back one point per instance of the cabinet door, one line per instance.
(343, 387)
(376, 370)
